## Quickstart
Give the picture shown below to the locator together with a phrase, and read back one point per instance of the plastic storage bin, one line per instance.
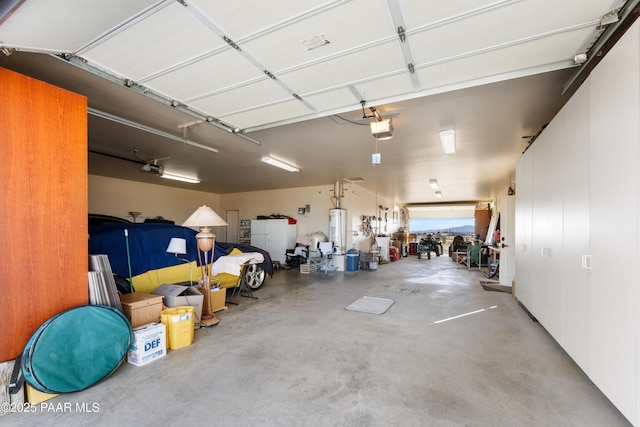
(179, 322)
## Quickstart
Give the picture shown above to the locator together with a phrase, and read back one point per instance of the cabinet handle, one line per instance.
(544, 252)
(586, 262)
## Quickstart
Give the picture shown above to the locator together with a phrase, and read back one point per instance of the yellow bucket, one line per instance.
(179, 325)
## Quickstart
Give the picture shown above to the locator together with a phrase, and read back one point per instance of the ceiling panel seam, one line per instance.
(425, 92)
(204, 19)
(227, 89)
(342, 53)
(246, 39)
(320, 92)
(437, 62)
(156, 96)
(183, 64)
(293, 20)
(123, 26)
(216, 29)
(384, 40)
(462, 16)
(510, 44)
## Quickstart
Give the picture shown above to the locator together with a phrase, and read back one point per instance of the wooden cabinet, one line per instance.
(577, 210)
(43, 201)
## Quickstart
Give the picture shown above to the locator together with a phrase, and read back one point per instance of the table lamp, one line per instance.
(178, 246)
(204, 217)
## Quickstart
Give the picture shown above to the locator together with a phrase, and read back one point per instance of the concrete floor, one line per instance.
(296, 357)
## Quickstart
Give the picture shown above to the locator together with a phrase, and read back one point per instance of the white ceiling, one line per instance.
(286, 79)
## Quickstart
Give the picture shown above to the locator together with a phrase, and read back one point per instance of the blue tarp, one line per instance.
(148, 244)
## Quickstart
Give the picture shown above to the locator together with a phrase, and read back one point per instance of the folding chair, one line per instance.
(473, 258)
(326, 250)
(297, 255)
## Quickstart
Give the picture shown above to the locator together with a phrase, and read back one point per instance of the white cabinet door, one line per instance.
(259, 226)
(547, 226)
(552, 252)
(539, 229)
(259, 234)
(274, 236)
(523, 248)
(613, 315)
(575, 239)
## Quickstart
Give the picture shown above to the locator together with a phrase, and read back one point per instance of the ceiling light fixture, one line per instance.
(439, 194)
(179, 178)
(434, 184)
(279, 164)
(448, 141)
(382, 129)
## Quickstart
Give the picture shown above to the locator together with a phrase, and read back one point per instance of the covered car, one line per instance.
(138, 251)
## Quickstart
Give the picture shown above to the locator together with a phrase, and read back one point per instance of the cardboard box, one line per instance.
(36, 396)
(177, 295)
(149, 344)
(219, 299)
(141, 308)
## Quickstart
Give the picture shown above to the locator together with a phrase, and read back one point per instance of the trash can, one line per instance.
(353, 260)
(179, 326)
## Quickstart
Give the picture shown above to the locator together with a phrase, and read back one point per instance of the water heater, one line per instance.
(338, 229)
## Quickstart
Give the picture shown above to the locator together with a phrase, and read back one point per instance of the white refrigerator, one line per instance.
(274, 236)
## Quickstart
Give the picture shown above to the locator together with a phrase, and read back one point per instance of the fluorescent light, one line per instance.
(180, 178)
(439, 194)
(448, 141)
(279, 164)
(434, 184)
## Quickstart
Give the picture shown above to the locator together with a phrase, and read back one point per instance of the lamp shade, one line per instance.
(177, 246)
(204, 216)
